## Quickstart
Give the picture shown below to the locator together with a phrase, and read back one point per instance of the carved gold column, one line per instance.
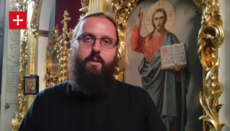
(58, 48)
(64, 43)
(27, 57)
(210, 38)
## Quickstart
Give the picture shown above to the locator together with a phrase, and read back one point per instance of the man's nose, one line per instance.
(97, 45)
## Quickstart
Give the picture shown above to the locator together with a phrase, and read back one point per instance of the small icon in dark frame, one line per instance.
(31, 85)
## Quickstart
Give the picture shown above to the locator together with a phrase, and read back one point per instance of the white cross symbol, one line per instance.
(17, 20)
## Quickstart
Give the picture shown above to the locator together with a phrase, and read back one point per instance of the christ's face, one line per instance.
(158, 21)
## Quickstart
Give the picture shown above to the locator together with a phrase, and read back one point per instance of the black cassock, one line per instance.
(123, 108)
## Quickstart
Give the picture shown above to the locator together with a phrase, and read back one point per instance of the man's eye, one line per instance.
(106, 41)
(87, 38)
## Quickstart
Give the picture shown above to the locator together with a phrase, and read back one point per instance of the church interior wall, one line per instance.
(47, 16)
(50, 17)
(10, 66)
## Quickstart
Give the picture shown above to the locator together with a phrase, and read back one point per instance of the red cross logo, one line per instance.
(17, 20)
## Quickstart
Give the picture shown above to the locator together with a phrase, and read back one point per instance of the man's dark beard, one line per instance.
(89, 80)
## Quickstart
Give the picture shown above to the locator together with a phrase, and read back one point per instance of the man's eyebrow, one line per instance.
(105, 36)
(109, 37)
(91, 34)
(86, 33)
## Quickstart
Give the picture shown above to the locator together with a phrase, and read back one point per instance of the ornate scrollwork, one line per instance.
(210, 38)
(122, 9)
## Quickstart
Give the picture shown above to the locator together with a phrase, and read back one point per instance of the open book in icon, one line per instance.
(172, 55)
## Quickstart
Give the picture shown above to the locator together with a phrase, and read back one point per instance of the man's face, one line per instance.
(91, 70)
(95, 55)
(159, 21)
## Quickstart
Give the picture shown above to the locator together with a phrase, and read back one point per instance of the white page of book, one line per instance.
(167, 56)
(179, 54)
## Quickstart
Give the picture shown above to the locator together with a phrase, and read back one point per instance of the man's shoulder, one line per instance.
(55, 89)
(132, 88)
(127, 85)
(136, 93)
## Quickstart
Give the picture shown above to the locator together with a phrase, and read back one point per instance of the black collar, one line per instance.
(112, 90)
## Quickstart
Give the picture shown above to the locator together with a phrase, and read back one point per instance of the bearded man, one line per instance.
(92, 100)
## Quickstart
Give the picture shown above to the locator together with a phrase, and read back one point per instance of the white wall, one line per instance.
(2, 13)
(224, 72)
(2, 10)
(11, 60)
(10, 71)
(47, 21)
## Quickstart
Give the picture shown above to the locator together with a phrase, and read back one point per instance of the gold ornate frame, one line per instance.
(210, 38)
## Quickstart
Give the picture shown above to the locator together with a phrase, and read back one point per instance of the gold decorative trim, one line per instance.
(32, 38)
(64, 47)
(210, 38)
(27, 57)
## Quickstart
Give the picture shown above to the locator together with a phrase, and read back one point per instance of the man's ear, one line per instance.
(74, 47)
